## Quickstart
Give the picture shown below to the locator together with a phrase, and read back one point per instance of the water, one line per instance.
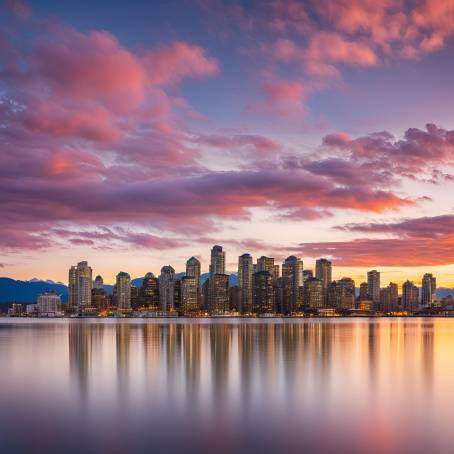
(335, 385)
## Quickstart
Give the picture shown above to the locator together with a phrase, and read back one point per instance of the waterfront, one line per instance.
(199, 385)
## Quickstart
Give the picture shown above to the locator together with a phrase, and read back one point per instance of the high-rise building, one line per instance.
(313, 293)
(98, 282)
(123, 291)
(263, 293)
(292, 282)
(267, 264)
(149, 293)
(135, 297)
(364, 291)
(428, 289)
(49, 303)
(167, 288)
(373, 287)
(389, 298)
(100, 300)
(189, 295)
(193, 269)
(410, 297)
(341, 294)
(79, 286)
(218, 294)
(307, 274)
(245, 271)
(323, 271)
(217, 263)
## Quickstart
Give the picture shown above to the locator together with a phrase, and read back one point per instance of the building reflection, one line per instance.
(80, 355)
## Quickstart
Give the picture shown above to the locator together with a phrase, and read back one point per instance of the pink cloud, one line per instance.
(414, 242)
(171, 63)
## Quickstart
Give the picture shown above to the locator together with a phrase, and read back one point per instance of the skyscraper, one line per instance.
(167, 288)
(263, 293)
(341, 294)
(313, 293)
(79, 286)
(389, 298)
(363, 291)
(149, 293)
(373, 287)
(123, 291)
(218, 294)
(193, 269)
(190, 287)
(292, 282)
(245, 271)
(428, 289)
(323, 272)
(98, 282)
(410, 296)
(189, 292)
(217, 264)
(267, 264)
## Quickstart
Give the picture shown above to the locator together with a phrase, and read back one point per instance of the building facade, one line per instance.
(245, 272)
(263, 293)
(373, 287)
(123, 291)
(79, 286)
(167, 289)
(292, 283)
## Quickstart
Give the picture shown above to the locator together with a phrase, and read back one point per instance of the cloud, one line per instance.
(419, 152)
(414, 242)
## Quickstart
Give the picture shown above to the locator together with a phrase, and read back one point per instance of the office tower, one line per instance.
(79, 286)
(313, 293)
(263, 293)
(267, 264)
(428, 290)
(149, 293)
(389, 298)
(349, 284)
(135, 297)
(341, 294)
(245, 271)
(410, 297)
(49, 303)
(218, 294)
(323, 272)
(292, 277)
(177, 304)
(217, 264)
(167, 288)
(363, 291)
(100, 300)
(193, 269)
(123, 291)
(373, 287)
(234, 298)
(307, 274)
(276, 272)
(99, 282)
(189, 295)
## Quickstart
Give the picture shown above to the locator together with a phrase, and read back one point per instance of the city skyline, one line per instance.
(141, 136)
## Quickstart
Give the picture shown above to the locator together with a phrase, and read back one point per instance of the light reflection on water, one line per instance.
(345, 385)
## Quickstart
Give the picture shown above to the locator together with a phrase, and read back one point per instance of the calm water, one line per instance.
(381, 385)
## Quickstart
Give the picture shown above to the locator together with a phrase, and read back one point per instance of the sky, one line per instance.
(137, 134)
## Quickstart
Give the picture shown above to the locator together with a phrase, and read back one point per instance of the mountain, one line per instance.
(27, 291)
(12, 290)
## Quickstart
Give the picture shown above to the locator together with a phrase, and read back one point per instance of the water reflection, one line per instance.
(322, 385)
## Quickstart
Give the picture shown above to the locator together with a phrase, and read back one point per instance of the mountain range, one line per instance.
(12, 290)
